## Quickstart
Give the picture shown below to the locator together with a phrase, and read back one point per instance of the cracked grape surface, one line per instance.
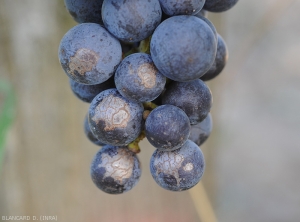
(115, 170)
(180, 169)
(114, 119)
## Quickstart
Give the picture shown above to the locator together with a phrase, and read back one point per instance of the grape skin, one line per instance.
(181, 7)
(114, 119)
(89, 54)
(201, 131)
(167, 127)
(183, 48)
(180, 169)
(220, 61)
(202, 12)
(138, 79)
(89, 134)
(210, 24)
(87, 93)
(131, 21)
(193, 97)
(115, 170)
(85, 11)
(219, 5)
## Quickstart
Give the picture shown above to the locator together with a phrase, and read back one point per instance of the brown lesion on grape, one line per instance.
(114, 111)
(147, 73)
(83, 61)
(120, 166)
(169, 163)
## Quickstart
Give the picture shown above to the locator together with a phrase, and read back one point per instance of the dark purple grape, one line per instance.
(219, 5)
(201, 131)
(89, 134)
(167, 127)
(138, 79)
(89, 54)
(193, 97)
(84, 11)
(87, 93)
(131, 21)
(183, 48)
(220, 61)
(115, 170)
(114, 119)
(180, 169)
(181, 7)
(210, 24)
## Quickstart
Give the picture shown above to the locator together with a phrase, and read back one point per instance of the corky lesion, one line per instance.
(114, 111)
(120, 166)
(83, 61)
(147, 73)
(169, 163)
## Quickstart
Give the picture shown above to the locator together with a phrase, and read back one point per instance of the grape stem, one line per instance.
(134, 146)
(149, 105)
(145, 45)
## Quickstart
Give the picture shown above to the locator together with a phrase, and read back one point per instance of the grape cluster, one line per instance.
(142, 65)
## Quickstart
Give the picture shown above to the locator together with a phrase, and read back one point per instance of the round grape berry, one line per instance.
(193, 97)
(180, 169)
(167, 127)
(89, 54)
(131, 21)
(183, 48)
(115, 170)
(138, 79)
(114, 119)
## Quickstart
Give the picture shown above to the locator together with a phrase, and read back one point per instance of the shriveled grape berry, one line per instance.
(201, 131)
(89, 134)
(180, 169)
(89, 54)
(183, 48)
(87, 93)
(131, 21)
(193, 97)
(138, 79)
(167, 127)
(114, 119)
(115, 170)
(84, 11)
(220, 61)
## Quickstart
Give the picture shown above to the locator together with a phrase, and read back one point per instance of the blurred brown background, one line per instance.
(253, 154)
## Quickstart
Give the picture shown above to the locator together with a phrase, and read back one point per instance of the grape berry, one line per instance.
(141, 66)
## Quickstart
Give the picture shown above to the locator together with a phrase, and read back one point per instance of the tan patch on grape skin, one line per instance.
(147, 73)
(169, 163)
(113, 111)
(83, 61)
(188, 167)
(118, 167)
